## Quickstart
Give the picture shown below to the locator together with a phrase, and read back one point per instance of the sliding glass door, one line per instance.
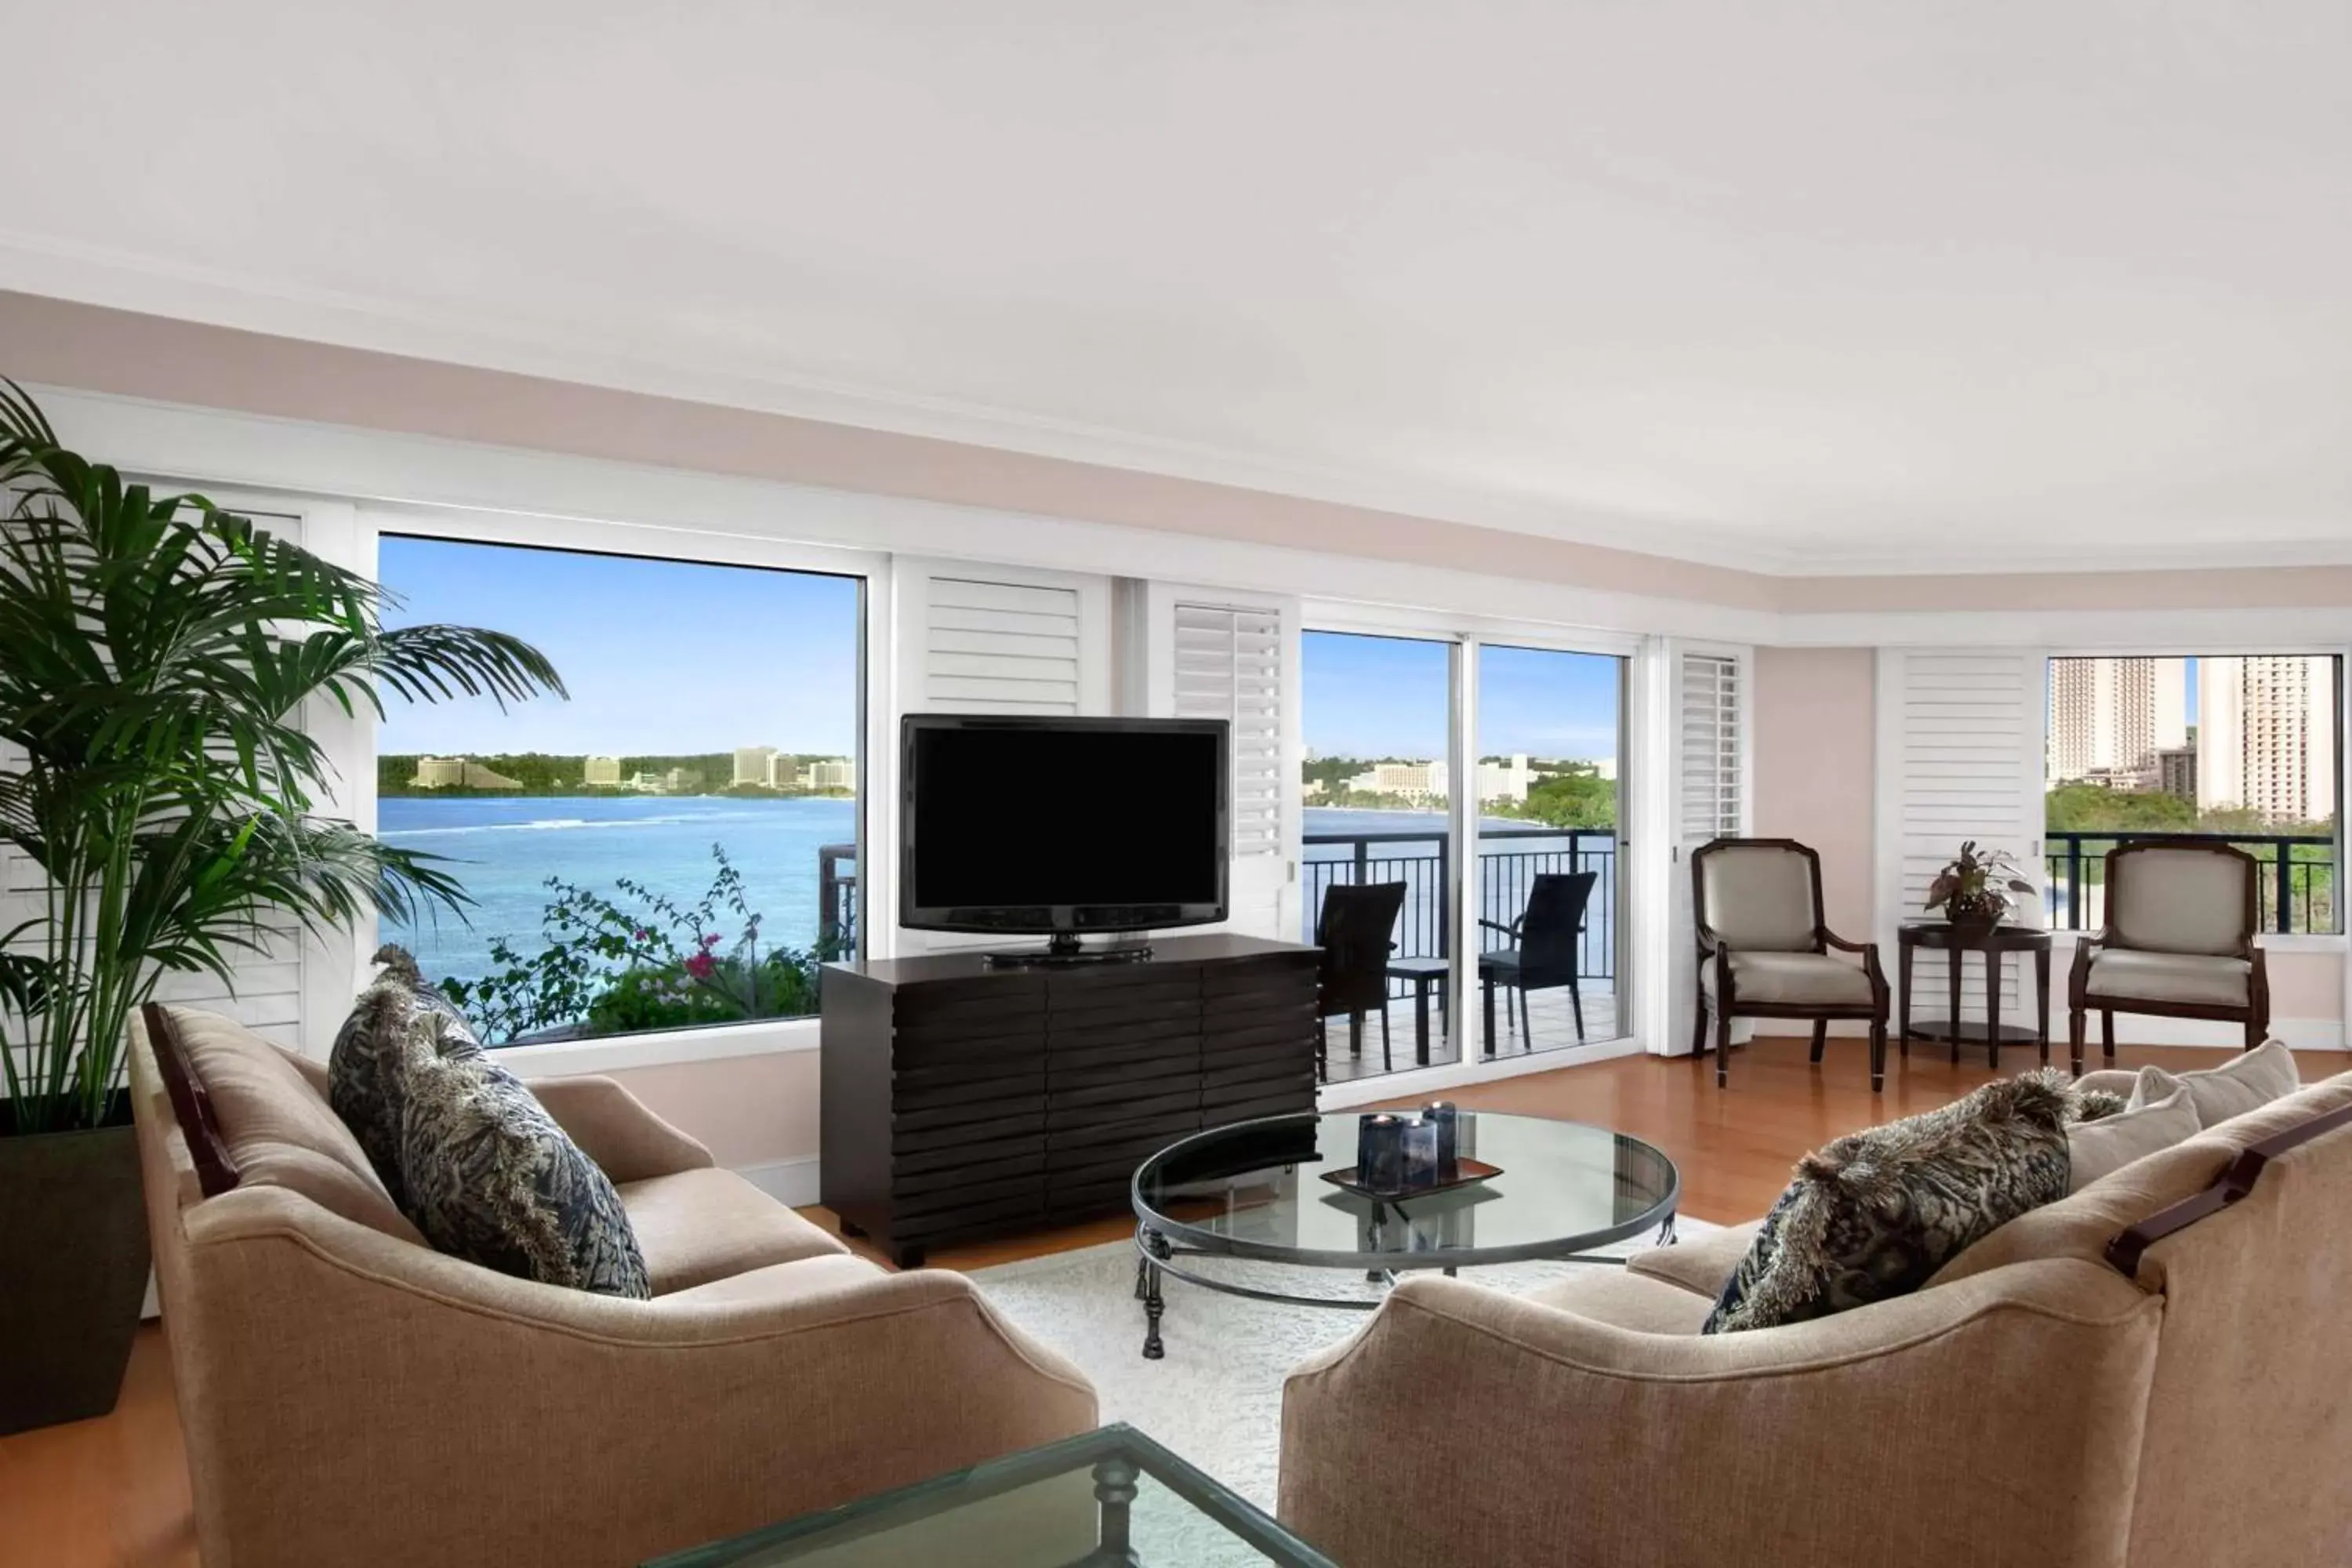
(1551, 731)
(1377, 721)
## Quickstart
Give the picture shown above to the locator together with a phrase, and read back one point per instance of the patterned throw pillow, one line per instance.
(363, 1083)
(491, 1177)
(1873, 1215)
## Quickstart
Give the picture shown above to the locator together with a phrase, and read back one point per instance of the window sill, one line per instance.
(564, 1059)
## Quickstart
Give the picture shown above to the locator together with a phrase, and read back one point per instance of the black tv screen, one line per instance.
(1062, 824)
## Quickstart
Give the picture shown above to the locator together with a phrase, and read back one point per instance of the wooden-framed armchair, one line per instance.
(1764, 952)
(2179, 942)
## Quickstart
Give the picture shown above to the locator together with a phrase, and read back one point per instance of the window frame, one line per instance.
(2338, 941)
(655, 541)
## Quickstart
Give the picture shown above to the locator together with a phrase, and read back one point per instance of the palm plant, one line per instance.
(156, 654)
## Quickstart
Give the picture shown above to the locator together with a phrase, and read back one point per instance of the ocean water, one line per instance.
(504, 849)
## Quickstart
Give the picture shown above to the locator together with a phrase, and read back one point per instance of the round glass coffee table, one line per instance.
(1256, 1190)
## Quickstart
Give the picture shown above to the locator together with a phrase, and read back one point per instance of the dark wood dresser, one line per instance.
(960, 1101)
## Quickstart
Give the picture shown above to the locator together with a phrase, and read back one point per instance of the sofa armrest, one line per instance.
(1581, 1443)
(614, 1128)
(348, 1397)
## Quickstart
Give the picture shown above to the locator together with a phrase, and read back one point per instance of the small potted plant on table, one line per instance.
(1974, 889)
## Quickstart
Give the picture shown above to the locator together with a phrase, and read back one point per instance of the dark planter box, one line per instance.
(73, 1269)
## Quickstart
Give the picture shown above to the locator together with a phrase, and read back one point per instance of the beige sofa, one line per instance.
(351, 1396)
(2032, 1405)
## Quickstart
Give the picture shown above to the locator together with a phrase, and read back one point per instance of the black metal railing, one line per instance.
(2298, 877)
(1423, 862)
(836, 902)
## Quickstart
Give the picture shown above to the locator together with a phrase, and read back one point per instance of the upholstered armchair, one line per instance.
(2179, 941)
(1764, 953)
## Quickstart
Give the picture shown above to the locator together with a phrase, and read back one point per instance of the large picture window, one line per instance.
(674, 844)
(2243, 747)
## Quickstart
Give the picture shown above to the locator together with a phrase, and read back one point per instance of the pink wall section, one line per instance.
(2306, 984)
(1816, 737)
(61, 343)
(751, 1111)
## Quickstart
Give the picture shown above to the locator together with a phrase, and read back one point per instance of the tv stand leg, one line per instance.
(854, 1231)
(908, 1256)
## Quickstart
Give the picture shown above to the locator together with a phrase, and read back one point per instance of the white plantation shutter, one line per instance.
(1001, 648)
(1228, 665)
(1709, 714)
(1710, 737)
(1960, 754)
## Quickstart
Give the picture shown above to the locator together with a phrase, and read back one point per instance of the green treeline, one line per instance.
(548, 774)
(2091, 808)
(1565, 793)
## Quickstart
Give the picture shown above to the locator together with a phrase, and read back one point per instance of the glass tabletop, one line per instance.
(1257, 1189)
(1109, 1496)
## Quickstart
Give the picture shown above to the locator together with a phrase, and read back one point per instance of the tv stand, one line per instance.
(1065, 951)
(960, 1098)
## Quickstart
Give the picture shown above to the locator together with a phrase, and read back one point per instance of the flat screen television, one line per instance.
(1062, 826)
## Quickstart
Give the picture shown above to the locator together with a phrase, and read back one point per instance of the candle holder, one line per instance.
(1442, 1115)
(1380, 1152)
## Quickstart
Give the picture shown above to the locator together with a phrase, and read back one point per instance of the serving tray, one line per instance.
(1469, 1173)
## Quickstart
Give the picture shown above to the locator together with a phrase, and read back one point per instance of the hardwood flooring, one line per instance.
(113, 1492)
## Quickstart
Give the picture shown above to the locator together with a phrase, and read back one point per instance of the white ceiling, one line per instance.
(1810, 286)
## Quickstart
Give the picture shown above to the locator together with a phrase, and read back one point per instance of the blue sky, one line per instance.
(1368, 696)
(661, 657)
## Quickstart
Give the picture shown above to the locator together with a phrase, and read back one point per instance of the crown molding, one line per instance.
(115, 280)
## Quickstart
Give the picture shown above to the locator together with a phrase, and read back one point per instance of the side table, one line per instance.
(1995, 945)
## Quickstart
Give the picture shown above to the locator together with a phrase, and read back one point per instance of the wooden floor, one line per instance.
(113, 1492)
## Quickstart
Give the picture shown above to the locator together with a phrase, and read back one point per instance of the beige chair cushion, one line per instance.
(2180, 900)
(1603, 1294)
(1701, 1265)
(700, 1226)
(2245, 1082)
(1794, 979)
(2125, 976)
(2160, 1115)
(279, 1129)
(1759, 898)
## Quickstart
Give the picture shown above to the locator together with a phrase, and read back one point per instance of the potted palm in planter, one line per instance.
(1973, 891)
(156, 795)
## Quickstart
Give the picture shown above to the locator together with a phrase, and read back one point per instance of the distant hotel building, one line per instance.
(754, 764)
(457, 773)
(2109, 718)
(829, 772)
(2267, 736)
(601, 771)
(1508, 779)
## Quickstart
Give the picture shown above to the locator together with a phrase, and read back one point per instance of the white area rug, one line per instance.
(1216, 1399)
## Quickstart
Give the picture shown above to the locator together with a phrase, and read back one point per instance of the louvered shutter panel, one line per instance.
(1968, 764)
(1229, 665)
(1709, 791)
(1711, 783)
(1001, 648)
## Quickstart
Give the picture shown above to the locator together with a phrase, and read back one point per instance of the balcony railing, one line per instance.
(2298, 878)
(1510, 859)
(836, 902)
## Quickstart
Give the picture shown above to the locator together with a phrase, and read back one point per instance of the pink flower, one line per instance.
(701, 965)
(708, 941)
